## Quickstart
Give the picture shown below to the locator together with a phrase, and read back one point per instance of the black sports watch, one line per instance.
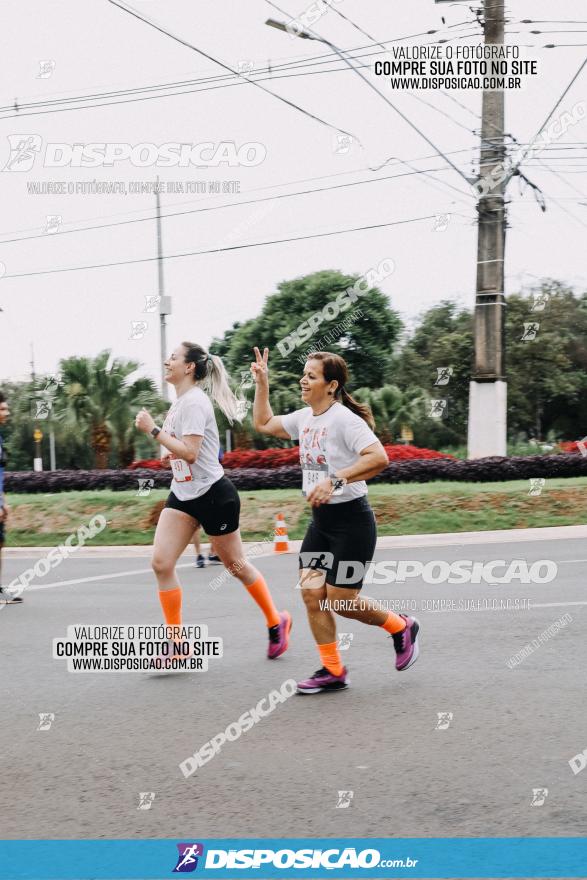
(156, 431)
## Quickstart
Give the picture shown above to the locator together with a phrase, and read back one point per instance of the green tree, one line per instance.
(546, 371)
(443, 338)
(393, 408)
(367, 343)
(72, 448)
(547, 366)
(96, 397)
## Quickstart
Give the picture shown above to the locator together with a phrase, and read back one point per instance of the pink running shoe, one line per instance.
(406, 644)
(323, 680)
(279, 636)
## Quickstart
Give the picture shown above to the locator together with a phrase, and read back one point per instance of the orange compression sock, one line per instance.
(171, 605)
(331, 658)
(260, 593)
(393, 624)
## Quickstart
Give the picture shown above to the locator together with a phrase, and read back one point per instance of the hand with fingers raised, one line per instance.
(259, 367)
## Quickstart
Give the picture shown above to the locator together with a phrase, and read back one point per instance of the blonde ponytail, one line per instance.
(211, 375)
(216, 383)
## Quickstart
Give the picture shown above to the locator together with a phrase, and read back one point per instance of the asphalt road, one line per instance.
(116, 735)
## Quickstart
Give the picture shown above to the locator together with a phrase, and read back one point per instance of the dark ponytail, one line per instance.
(360, 409)
(335, 369)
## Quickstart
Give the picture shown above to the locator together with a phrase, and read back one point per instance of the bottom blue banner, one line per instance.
(378, 858)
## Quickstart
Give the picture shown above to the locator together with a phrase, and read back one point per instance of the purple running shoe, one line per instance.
(323, 680)
(406, 644)
(279, 636)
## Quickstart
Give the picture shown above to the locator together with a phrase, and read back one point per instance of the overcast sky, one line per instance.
(99, 48)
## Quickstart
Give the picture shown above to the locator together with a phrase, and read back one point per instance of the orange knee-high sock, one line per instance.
(171, 605)
(394, 623)
(331, 658)
(260, 593)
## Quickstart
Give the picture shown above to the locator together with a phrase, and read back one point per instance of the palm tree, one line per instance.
(95, 395)
(409, 409)
(141, 392)
(393, 408)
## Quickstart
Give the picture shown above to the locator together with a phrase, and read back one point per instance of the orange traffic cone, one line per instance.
(281, 544)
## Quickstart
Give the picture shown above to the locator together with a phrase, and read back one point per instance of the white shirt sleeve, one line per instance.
(291, 423)
(358, 435)
(193, 419)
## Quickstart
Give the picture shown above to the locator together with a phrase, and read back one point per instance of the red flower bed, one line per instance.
(399, 452)
(570, 446)
(261, 458)
(153, 464)
(274, 458)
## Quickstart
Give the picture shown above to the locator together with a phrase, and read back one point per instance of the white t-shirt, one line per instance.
(193, 413)
(328, 443)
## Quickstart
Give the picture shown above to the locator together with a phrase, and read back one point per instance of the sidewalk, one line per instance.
(507, 536)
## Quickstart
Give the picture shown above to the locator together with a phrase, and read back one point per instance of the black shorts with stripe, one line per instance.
(217, 510)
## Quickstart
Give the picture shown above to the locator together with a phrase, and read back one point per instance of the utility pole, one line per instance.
(33, 374)
(487, 432)
(164, 301)
(37, 433)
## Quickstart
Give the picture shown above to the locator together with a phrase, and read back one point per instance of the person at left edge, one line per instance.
(200, 492)
(5, 597)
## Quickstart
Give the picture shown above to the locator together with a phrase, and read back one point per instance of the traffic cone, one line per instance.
(281, 544)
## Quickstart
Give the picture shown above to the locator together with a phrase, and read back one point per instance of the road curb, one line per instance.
(503, 536)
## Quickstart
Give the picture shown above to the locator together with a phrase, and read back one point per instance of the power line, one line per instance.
(370, 37)
(188, 45)
(236, 247)
(304, 61)
(552, 45)
(543, 126)
(566, 182)
(151, 97)
(438, 110)
(566, 210)
(219, 207)
(548, 21)
(262, 189)
(414, 96)
(221, 83)
(382, 96)
(391, 161)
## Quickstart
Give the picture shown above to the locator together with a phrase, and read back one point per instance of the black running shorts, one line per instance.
(2, 533)
(341, 541)
(217, 510)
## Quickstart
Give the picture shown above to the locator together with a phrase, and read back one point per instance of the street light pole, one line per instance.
(164, 301)
(487, 432)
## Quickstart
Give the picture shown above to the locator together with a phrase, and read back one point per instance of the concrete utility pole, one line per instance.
(488, 388)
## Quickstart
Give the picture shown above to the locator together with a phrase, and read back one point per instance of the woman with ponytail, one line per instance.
(200, 493)
(338, 452)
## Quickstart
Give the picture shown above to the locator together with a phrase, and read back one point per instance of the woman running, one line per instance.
(338, 452)
(200, 493)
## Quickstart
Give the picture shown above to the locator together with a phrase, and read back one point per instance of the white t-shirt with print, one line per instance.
(193, 413)
(328, 443)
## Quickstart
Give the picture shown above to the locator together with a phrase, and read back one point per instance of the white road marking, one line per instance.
(97, 577)
(556, 604)
(532, 606)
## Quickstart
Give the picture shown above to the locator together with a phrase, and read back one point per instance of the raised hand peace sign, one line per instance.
(259, 367)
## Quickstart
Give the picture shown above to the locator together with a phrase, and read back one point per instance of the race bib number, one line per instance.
(312, 474)
(181, 470)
